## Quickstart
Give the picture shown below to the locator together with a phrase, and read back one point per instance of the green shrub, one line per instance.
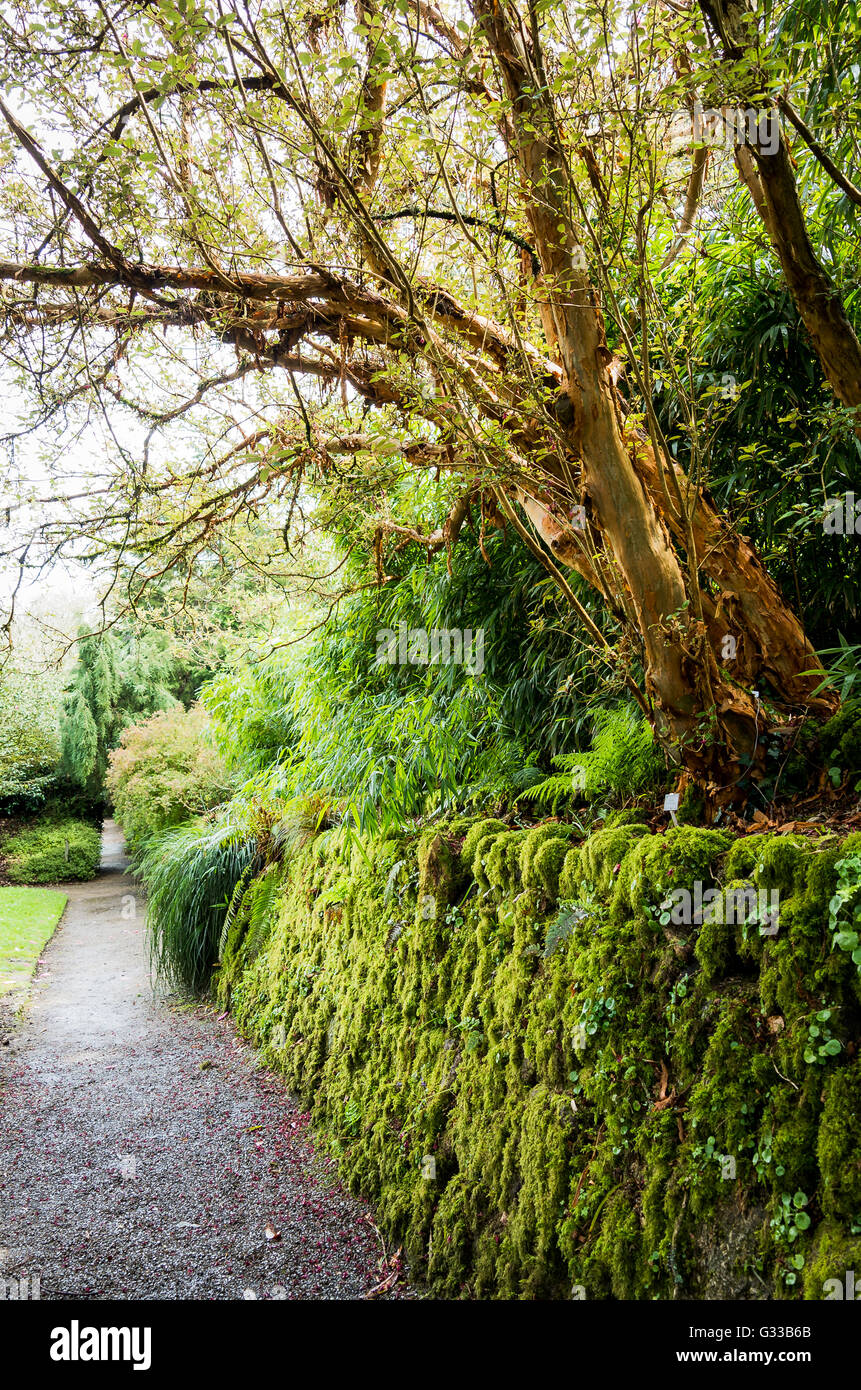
(164, 772)
(53, 852)
(624, 760)
(841, 741)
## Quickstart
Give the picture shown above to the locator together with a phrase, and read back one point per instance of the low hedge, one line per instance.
(53, 852)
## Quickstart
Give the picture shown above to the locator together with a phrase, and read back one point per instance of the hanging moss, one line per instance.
(839, 1147)
(602, 854)
(547, 866)
(649, 1110)
(437, 877)
(542, 854)
(569, 876)
(478, 831)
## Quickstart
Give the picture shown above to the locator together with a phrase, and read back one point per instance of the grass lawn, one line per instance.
(28, 917)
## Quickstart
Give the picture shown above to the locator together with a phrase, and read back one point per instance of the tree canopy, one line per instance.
(403, 270)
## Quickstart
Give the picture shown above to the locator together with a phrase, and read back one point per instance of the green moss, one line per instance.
(715, 948)
(769, 861)
(501, 864)
(602, 854)
(437, 875)
(478, 831)
(684, 855)
(569, 876)
(547, 866)
(834, 1256)
(839, 1146)
(627, 1111)
(692, 805)
(632, 815)
(791, 1127)
(541, 874)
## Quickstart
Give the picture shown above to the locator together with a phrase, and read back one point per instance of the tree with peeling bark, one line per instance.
(261, 253)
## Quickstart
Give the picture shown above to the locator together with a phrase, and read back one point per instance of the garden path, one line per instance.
(144, 1153)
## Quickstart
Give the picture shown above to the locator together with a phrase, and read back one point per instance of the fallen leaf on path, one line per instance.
(384, 1286)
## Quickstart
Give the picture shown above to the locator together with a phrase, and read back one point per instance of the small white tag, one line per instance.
(671, 801)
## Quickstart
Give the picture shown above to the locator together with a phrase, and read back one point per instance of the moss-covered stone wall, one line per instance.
(549, 1087)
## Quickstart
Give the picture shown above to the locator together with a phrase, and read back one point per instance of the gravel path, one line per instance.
(143, 1152)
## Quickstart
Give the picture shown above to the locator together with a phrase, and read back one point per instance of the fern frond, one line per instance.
(263, 891)
(236, 901)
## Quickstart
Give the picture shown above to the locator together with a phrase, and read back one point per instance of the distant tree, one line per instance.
(29, 746)
(88, 718)
(112, 685)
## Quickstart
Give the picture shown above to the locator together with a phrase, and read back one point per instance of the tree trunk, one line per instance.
(620, 479)
(772, 186)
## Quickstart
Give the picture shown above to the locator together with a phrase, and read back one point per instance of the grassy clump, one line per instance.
(191, 873)
(53, 851)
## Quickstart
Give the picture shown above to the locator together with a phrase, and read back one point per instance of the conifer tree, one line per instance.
(88, 722)
(114, 684)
